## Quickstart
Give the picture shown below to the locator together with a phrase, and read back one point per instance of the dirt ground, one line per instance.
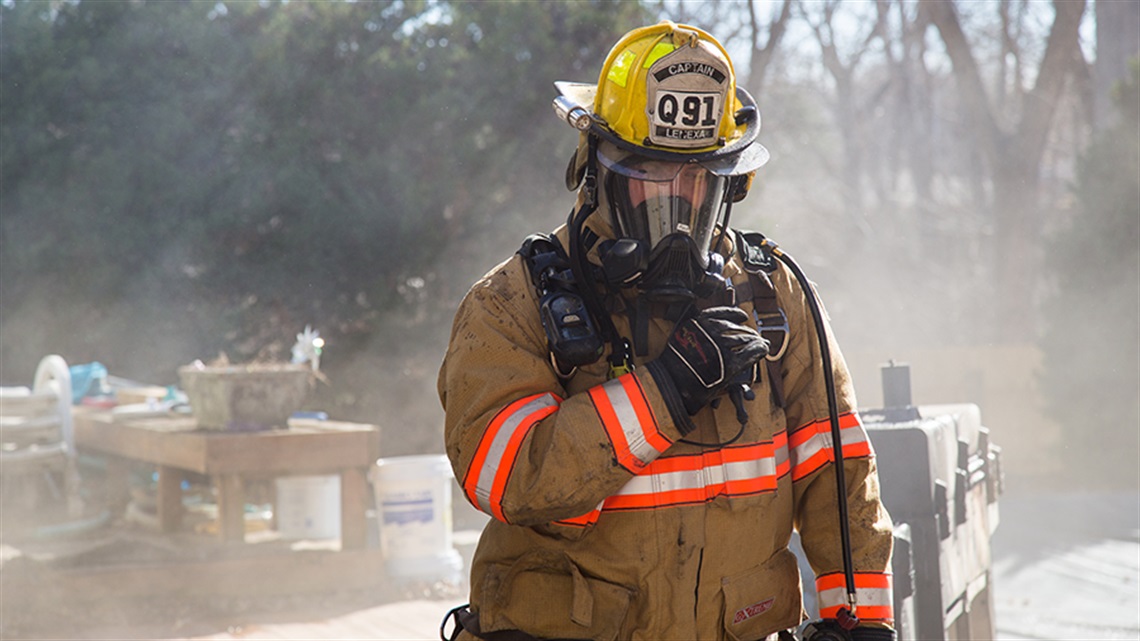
(118, 578)
(1066, 566)
(40, 602)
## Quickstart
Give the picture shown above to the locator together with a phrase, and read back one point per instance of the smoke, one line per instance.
(900, 278)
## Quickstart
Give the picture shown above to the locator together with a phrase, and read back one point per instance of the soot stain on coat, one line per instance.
(685, 551)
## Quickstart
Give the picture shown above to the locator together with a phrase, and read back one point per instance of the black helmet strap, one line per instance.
(620, 357)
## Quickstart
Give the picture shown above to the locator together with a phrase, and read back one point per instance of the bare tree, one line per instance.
(1012, 152)
(850, 103)
(733, 22)
(910, 152)
(763, 52)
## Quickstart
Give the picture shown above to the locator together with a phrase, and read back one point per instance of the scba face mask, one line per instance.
(669, 211)
(675, 271)
(651, 199)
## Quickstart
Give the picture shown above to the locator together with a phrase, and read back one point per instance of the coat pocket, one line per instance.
(763, 600)
(546, 595)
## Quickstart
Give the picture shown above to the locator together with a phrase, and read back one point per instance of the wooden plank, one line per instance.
(177, 450)
(294, 452)
(176, 442)
(169, 441)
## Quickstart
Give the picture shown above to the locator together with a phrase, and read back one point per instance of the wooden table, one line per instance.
(175, 443)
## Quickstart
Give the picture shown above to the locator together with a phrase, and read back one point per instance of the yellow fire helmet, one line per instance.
(667, 92)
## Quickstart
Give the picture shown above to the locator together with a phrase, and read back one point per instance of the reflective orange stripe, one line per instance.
(862, 580)
(810, 445)
(699, 478)
(734, 471)
(645, 417)
(629, 421)
(486, 478)
(880, 613)
(873, 596)
(585, 520)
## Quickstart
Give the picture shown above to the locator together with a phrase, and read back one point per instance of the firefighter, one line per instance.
(638, 399)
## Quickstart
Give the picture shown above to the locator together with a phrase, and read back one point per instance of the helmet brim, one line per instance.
(743, 156)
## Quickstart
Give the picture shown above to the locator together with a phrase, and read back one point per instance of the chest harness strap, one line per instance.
(574, 340)
(770, 318)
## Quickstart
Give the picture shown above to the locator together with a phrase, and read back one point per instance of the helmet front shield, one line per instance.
(652, 199)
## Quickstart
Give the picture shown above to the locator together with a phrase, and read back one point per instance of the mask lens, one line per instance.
(653, 199)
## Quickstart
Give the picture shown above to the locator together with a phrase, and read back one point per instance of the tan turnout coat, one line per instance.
(606, 526)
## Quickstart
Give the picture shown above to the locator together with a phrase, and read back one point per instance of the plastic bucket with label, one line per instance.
(413, 501)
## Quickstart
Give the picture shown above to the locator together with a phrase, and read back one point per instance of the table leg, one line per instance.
(169, 498)
(231, 507)
(353, 503)
(118, 484)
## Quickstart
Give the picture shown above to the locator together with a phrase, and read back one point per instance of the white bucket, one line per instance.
(413, 498)
(308, 507)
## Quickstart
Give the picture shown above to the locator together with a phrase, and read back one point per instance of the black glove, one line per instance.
(864, 633)
(830, 630)
(703, 357)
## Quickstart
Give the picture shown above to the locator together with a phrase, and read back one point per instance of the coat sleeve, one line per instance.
(813, 475)
(523, 450)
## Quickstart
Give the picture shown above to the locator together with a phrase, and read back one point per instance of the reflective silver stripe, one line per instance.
(664, 482)
(747, 470)
(852, 435)
(782, 454)
(863, 596)
(810, 447)
(631, 427)
(822, 441)
(499, 447)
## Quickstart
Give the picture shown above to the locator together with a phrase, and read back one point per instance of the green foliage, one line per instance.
(1092, 371)
(180, 178)
(323, 140)
(99, 138)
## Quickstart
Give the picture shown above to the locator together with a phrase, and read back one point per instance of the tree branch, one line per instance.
(762, 55)
(1041, 101)
(944, 17)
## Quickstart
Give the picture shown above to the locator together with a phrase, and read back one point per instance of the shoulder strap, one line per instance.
(753, 253)
(571, 337)
(770, 318)
(544, 255)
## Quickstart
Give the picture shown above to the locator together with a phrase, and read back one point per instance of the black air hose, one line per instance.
(833, 414)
